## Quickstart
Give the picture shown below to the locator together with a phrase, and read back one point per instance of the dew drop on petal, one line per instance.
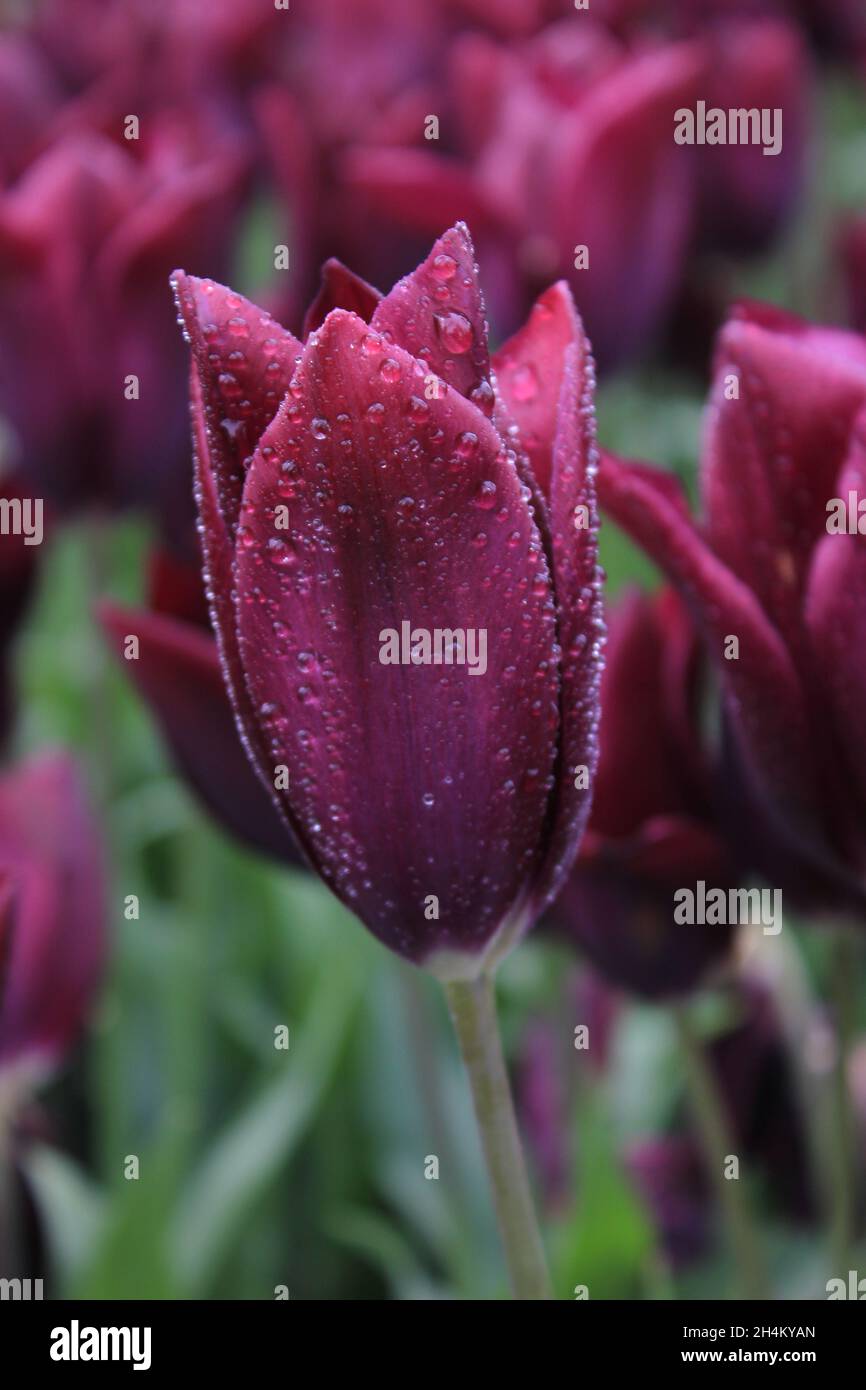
(455, 330)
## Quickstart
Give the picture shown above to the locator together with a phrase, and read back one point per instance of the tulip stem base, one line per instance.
(718, 1146)
(473, 1010)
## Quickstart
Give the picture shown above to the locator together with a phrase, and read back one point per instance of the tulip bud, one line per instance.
(420, 649)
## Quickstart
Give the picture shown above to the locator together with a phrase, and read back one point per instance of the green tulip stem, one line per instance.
(713, 1130)
(473, 1010)
(844, 1188)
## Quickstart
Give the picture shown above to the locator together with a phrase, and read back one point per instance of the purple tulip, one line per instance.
(177, 673)
(52, 937)
(778, 566)
(84, 309)
(653, 827)
(376, 512)
(18, 566)
(746, 197)
(565, 141)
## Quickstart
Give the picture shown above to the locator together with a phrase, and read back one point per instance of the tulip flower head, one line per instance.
(775, 577)
(52, 912)
(386, 473)
(649, 834)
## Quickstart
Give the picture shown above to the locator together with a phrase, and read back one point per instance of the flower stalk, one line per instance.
(717, 1143)
(473, 1010)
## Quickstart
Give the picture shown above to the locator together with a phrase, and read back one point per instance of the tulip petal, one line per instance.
(341, 288)
(529, 370)
(836, 618)
(762, 685)
(773, 452)
(417, 189)
(408, 782)
(178, 675)
(618, 907)
(49, 842)
(577, 582)
(243, 362)
(230, 338)
(437, 314)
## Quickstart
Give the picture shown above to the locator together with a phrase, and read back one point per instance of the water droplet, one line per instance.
(280, 554)
(455, 331)
(485, 496)
(444, 267)
(319, 428)
(466, 445)
(390, 369)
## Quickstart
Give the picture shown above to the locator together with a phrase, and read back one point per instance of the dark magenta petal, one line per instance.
(340, 289)
(8, 921)
(50, 850)
(407, 782)
(437, 314)
(418, 189)
(835, 614)
(762, 685)
(619, 185)
(618, 905)
(529, 369)
(177, 673)
(668, 1173)
(773, 453)
(644, 723)
(746, 197)
(577, 582)
(243, 362)
(175, 588)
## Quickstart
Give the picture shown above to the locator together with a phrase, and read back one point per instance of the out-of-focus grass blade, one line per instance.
(258, 1143)
(72, 1208)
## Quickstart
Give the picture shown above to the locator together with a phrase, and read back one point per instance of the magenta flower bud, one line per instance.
(746, 196)
(81, 309)
(654, 826)
(566, 166)
(402, 560)
(52, 911)
(176, 670)
(776, 579)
